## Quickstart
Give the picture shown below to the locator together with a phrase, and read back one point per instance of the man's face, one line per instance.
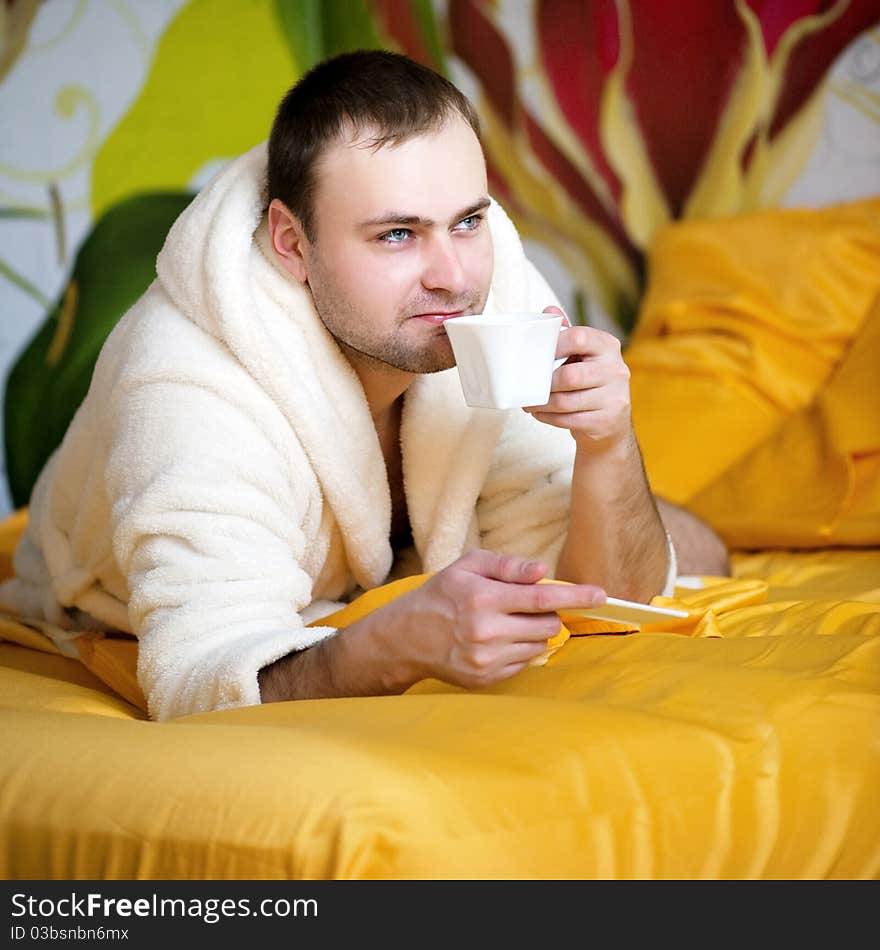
(402, 244)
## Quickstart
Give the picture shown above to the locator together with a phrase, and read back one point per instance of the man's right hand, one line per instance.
(478, 621)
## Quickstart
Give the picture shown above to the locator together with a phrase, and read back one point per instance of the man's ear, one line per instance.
(288, 239)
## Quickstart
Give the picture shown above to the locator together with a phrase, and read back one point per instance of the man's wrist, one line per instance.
(374, 645)
(294, 676)
(354, 661)
(620, 451)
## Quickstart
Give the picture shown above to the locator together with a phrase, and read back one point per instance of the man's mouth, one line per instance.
(438, 317)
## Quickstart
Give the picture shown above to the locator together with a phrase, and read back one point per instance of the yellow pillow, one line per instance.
(816, 481)
(744, 321)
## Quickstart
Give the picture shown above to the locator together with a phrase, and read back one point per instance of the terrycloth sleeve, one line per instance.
(208, 523)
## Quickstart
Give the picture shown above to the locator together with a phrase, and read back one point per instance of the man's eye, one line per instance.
(470, 223)
(395, 235)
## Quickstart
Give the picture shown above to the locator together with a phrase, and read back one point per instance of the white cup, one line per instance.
(505, 360)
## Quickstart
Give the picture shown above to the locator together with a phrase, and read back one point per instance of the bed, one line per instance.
(744, 742)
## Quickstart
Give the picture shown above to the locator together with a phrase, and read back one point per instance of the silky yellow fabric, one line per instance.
(816, 480)
(748, 753)
(745, 321)
(813, 575)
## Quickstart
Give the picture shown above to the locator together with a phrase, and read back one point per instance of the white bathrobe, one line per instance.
(222, 484)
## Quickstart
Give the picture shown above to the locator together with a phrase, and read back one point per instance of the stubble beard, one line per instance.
(350, 328)
(407, 360)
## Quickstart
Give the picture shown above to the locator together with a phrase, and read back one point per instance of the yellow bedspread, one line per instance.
(754, 753)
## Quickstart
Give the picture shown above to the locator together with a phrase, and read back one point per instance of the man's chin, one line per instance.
(432, 363)
(432, 359)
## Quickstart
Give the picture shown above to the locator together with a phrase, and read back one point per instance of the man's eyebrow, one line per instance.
(398, 218)
(480, 205)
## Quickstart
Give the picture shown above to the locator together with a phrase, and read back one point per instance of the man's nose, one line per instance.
(443, 268)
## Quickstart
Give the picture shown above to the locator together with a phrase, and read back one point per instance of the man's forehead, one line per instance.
(443, 165)
(372, 139)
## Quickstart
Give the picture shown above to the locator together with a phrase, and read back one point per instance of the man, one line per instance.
(277, 423)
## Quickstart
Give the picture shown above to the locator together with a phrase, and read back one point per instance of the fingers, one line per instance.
(549, 598)
(521, 654)
(574, 377)
(483, 667)
(526, 629)
(512, 669)
(568, 389)
(573, 421)
(503, 567)
(514, 587)
(606, 377)
(587, 341)
(590, 374)
(553, 309)
(574, 400)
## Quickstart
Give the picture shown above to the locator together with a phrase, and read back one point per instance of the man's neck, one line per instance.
(383, 385)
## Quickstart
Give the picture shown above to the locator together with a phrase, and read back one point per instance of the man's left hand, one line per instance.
(589, 394)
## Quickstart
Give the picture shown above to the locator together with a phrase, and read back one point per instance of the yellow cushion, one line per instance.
(745, 320)
(815, 481)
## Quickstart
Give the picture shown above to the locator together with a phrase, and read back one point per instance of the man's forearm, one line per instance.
(345, 664)
(615, 536)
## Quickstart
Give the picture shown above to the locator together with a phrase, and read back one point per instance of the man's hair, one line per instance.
(386, 95)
